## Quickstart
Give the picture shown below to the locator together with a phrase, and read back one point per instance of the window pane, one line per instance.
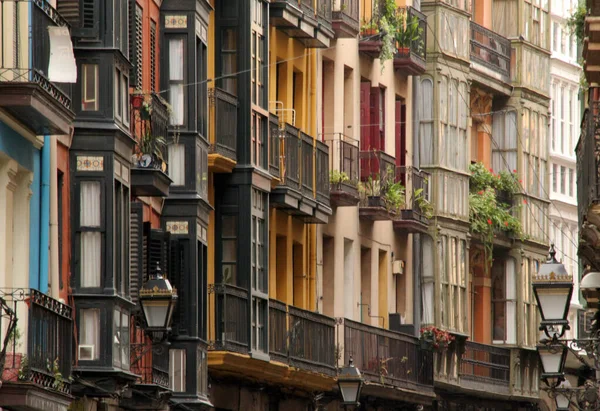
(176, 153)
(177, 370)
(91, 252)
(176, 59)
(89, 203)
(125, 341)
(117, 338)
(176, 97)
(89, 334)
(89, 87)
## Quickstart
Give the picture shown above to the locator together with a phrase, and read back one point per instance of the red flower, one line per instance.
(489, 221)
(491, 170)
(480, 193)
(515, 171)
(506, 223)
(499, 176)
(520, 181)
(524, 201)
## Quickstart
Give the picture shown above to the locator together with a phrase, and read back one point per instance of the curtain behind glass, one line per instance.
(91, 241)
(176, 78)
(89, 333)
(177, 164)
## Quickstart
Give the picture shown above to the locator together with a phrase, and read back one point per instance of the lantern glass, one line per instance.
(562, 400)
(156, 312)
(552, 359)
(553, 301)
(350, 391)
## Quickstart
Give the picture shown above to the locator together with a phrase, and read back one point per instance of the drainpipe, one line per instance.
(44, 215)
(54, 268)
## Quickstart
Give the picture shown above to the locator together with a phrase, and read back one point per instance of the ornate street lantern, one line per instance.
(553, 357)
(157, 299)
(562, 399)
(350, 382)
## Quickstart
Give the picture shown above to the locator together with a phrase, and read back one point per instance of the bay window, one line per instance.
(229, 60)
(176, 156)
(89, 335)
(504, 301)
(504, 132)
(177, 370)
(426, 122)
(259, 277)
(176, 80)
(260, 114)
(454, 111)
(121, 339)
(453, 277)
(121, 241)
(229, 249)
(90, 87)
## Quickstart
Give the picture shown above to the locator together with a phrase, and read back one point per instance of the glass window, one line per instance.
(176, 154)
(498, 303)
(117, 94)
(177, 370)
(229, 59)
(571, 182)
(121, 339)
(90, 87)
(89, 334)
(121, 245)
(229, 249)
(554, 178)
(563, 180)
(176, 79)
(91, 237)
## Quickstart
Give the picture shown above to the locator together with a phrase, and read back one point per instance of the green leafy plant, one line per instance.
(24, 369)
(424, 205)
(153, 145)
(371, 188)
(482, 178)
(436, 337)
(394, 197)
(336, 177)
(576, 22)
(409, 30)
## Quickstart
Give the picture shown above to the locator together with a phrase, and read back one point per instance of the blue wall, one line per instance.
(23, 152)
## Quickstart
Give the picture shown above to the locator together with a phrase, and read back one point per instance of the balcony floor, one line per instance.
(27, 396)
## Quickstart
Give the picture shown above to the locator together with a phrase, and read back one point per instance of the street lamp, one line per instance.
(350, 382)
(157, 299)
(553, 288)
(553, 358)
(561, 399)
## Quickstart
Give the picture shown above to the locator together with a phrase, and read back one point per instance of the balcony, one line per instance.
(222, 156)
(370, 42)
(301, 343)
(388, 358)
(588, 183)
(300, 19)
(149, 127)
(417, 209)
(411, 58)
(485, 367)
(38, 379)
(343, 169)
(26, 93)
(296, 194)
(490, 54)
(345, 19)
(377, 172)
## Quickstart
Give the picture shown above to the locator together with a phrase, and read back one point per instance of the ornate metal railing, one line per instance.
(377, 165)
(25, 75)
(274, 146)
(278, 342)
(490, 49)
(343, 158)
(150, 121)
(225, 117)
(385, 356)
(290, 159)
(417, 185)
(311, 340)
(307, 167)
(485, 363)
(322, 172)
(232, 318)
(370, 10)
(50, 335)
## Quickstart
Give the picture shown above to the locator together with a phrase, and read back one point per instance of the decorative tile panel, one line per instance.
(88, 163)
(177, 227)
(176, 22)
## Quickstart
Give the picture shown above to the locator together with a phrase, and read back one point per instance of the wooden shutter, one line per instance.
(158, 251)
(152, 55)
(375, 126)
(69, 10)
(365, 127)
(135, 44)
(137, 249)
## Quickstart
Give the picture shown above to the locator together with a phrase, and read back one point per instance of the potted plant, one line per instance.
(137, 99)
(151, 151)
(337, 177)
(369, 29)
(409, 31)
(433, 338)
(394, 197)
(372, 189)
(424, 205)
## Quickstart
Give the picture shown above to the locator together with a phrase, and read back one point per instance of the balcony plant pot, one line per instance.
(369, 32)
(403, 51)
(426, 345)
(374, 201)
(137, 100)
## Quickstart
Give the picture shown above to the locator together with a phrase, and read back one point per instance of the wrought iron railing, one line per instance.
(376, 164)
(149, 122)
(485, 363)
(370, 10)
(417, 186)
(490, 49)
(322, 172)
(347, 13)
(311, 338)
(416, 48)
(385, 356)
(274, 145)
(324, 9)
(232, 318)
(343, 158)
(225, 117)
(290, 159)
(50, 335)
(278, 342)
(308, 161)
(43, 16)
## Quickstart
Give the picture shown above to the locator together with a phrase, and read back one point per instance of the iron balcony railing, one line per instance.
(308, 160)
(225, 107)
(322, 172)
(348, 13)
(370, 12)
(301, 338)
(49, 339)
(324, 10)
(343, 159)
(232, 318)
(417, 185)
(12, 70)
(275, 134)
(486, 363)
(388, 357)
(377, 165)
(490, 49)
(416, 48)
(290, 158)
(150, 118)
